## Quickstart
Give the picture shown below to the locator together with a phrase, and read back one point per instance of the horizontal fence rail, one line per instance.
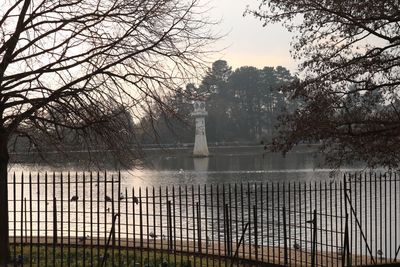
(88, 219)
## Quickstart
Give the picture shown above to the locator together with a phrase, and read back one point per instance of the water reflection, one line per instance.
(225, 165)
(201, 164)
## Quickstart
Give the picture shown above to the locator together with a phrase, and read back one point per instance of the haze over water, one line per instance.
(225, 165)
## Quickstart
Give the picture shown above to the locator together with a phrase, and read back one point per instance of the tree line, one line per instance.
(243, 105)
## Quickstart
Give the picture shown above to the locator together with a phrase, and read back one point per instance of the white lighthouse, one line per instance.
(200, 142)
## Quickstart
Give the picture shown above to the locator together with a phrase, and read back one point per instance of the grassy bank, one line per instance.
(40, 255)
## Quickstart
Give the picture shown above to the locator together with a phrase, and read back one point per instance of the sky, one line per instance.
(247, 42)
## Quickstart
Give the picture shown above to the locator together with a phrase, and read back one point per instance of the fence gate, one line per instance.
(373, 206)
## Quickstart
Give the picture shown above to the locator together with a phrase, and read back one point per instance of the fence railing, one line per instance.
(89, 219)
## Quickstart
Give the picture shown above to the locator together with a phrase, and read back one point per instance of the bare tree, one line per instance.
(350, 77)
(66, 64)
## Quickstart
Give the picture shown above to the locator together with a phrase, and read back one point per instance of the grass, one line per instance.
(40, 255)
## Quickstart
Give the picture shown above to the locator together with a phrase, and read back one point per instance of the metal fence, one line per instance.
(89, 219)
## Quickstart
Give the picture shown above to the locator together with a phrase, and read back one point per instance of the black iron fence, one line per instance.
(89, 219)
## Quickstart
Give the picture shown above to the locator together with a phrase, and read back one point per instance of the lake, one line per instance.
(230, 164)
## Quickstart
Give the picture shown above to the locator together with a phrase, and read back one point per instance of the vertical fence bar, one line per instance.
(154, 224)
(147, 226)
(23, 238)
(345, 252)
(69, 220)
(371, 212)
(45, 218)
(302, 211)
(83, 237)
(106, 211)
(218, 227)
(255, 208)
(385, 220)
(114, 221)
(141, 226)
(314, 240)
(161, 223)
(395, 216)
(326, 224)
(169, 221)
(243, 221)
(54, 228)
(225, 224)
(62, 218)
(136, 201)
(336, 223)
(288, 223)
(198, 227)
(38, 216)
(228, 232)
(174, 223)
(236, 216)
(169, 224)
(25, 221)
(273, 221)
(30, 221)
(390, 217)
(15, 216)
(76, 219)
(54, 219)
(119, 219)
(206, 223)
(98, 218)
(212, 222)
(347, 241)
(285, 237)
(377, 196)
(262, 220)
(127, 226)
(331, 223)
(353, 199)
(311, 228)
(341, 212)
(91, 218)
(187, 222)
(296, 216)
(318, 202)
(181, 221)
(255, 231)
(365, 210)
(278, 202)
(193, 225)
(230, 221)
(267, 194)
(249, 215)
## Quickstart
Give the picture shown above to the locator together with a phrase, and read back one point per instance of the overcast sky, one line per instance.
(249, 44)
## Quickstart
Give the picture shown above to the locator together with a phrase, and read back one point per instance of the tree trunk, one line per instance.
(4, 240)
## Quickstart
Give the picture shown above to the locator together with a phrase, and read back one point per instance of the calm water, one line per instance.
(225, 165)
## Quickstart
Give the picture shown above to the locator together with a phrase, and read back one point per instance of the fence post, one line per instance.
(198, 226)
(255, 231)
(228, 240)
(54, 221)
(25, 221)
(169, 225)
(314, 242)
(346, 249)
(285, 236)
